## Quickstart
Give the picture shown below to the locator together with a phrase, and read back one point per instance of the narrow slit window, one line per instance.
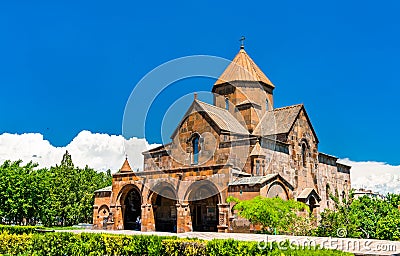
(196, 150)
(304, 154)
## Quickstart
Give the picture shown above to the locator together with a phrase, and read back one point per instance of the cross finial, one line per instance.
(242, 42)
(126, 156)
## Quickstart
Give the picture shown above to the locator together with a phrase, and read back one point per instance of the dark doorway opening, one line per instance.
(165, 214)
(204, 208)
(133, 210)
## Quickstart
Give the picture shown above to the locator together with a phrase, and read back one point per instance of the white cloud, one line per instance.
(98, 151)
(377, 176)
(103, 151)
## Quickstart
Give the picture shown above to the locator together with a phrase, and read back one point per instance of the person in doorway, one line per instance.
(138, 223)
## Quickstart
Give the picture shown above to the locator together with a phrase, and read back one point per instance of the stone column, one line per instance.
(183, 218)
(223, 220)
(148, 223)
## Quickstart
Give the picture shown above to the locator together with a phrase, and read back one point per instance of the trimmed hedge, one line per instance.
(60, 244)
(18, 230)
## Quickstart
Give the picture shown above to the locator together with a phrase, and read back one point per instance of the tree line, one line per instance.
(62, 195)
(363, 217)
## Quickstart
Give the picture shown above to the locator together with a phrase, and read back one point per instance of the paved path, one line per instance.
(356, 246)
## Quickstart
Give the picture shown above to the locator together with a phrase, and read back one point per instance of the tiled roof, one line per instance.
(239, 173)
(247, 102)
(254, 180)
(307, 192)
(278, 120)
(243, 68)
(106, 189)
(223, 119)
(126, 167)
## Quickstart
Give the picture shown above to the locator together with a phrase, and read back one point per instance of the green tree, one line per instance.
(72, 192)
(62, 195)
(284, 216)
(21, 192)
(364, 217)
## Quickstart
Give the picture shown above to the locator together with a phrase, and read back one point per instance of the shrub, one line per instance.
(14, 244)
(276, 214)
(60, 244)
(183, 247)
(18, 230)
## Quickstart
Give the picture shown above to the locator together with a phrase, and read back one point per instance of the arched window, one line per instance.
(195, 143)
(304, 154)
(327, 188)
(266, 105)
(258, 167)
(226, 103)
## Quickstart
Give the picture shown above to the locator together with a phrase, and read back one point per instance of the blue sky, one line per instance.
(71, 66)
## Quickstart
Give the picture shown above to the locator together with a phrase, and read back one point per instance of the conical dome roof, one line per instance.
(243, 68)
(126, 167)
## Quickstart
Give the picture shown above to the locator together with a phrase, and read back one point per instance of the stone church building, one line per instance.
(240, 146)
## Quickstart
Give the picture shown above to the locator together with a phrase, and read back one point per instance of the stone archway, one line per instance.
(277, 190)
(132, 208)
(203, 198)
(164, 200)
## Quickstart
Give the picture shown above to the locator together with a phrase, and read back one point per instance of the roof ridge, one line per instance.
(280, 125)
(252, 66)
(226, 120)
(247, 100)
(210, 105)
(287, 107)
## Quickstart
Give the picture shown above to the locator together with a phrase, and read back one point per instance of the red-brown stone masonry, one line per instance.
(124, 182)
(181, 152)
(335, 180)
(101, 199)
(179, 167)
(304, 176)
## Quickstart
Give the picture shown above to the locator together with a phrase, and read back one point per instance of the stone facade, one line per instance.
(241, 146)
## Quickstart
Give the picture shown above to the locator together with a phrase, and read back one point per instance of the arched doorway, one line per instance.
(203, 202)
(164, 207)
(132, 209)
(313, 204)
(103, 213)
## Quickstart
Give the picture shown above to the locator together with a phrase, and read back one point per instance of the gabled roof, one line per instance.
(221, 117)
(243, 68)
(307, 193)
(253, 180)
(239, 173)
(163, 147)
(106, 189)
(278, 121)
